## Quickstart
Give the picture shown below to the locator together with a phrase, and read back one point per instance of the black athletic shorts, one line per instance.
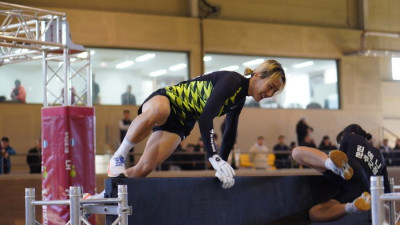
(353, 188)
(172, 125)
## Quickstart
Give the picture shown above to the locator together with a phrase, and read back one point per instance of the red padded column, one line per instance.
(68, 138)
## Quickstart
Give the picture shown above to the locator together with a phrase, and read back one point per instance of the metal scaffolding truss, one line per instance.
(80, 209)
(28, 33)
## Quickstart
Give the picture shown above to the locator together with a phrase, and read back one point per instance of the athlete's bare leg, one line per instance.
(310, 157)
(159, 147)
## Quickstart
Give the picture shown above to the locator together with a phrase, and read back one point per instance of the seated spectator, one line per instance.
(386, 151)
(259, 154)
(397, 145)
(396, 153)
(292, 145)
(282, 159)
(200, 146)
(34, 158)
(6, 151)
(18, 94)
(188, 160)
(326, 145)
(308, 142)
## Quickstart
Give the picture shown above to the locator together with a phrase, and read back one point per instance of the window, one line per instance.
(114, 69)
(311, 83)
(396, 68)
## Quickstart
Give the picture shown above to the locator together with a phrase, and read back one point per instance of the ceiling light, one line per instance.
(207, 58)
(157, 73)
(124, 64)
(230, 68)
(303, 64)
(145, 57)
(178, 67)
(253, 62)
(103, 64)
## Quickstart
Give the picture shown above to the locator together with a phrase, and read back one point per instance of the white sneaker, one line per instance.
(341, 162)
(116, 166)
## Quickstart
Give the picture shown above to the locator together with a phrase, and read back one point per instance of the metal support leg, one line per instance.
(75, 212)
(377, 207)
(29, 208)
(392, 205)
(123, 208)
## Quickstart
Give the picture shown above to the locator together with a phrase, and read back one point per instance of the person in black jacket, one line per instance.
(350, 168)
(34, 158)
(303, 130)
(326, 145)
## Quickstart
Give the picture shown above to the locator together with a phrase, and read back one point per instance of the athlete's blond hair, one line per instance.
(270, 68)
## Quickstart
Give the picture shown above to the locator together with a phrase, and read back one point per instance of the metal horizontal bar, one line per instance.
(390, 197)
(100, 201)
(51, 202)
(15, 6)
(17, 25)
(98, 209)
(21, 46)
(24, 40)
(20, 54)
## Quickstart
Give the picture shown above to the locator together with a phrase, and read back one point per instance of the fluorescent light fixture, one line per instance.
(103, 64)
(207, 58)
(145, 57)
(124, 65)
(303, 64)
(178, 67)
(230, 68)
(6, 60)
(253, 62)
(157, 73)
(396, 68)
(82, 55)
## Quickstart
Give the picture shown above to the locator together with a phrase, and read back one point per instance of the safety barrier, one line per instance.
(80, 209)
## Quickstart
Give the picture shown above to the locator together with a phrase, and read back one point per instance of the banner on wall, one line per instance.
(68, 139)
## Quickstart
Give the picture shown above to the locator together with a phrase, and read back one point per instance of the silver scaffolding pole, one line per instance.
(377, 205)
